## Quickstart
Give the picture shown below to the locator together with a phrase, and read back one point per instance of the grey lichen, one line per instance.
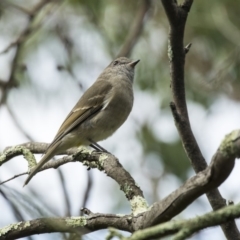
(100, 163)
(29, 157)
(84, 153)
(8, 228)
(81, 153)
(170, 51)
(22, 150)
(91, 164)
(102, 158)
(227, 147)
(138, 205)
(126, 189)
(26, 224)
(76, 221)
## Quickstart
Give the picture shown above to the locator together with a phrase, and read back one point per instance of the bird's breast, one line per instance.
(119, 103)
(117, 107)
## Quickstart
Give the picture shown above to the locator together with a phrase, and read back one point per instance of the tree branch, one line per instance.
(80, 225)
(19, 43)
(88, 189)
(185, 228)
(104, 162)
(177, 16)
(162, 211)
(135, 29)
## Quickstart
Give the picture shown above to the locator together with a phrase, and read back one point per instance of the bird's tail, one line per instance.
(49, 154)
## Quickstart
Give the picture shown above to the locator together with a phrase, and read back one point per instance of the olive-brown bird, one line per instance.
(101, 110)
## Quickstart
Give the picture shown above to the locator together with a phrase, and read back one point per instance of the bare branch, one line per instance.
(88, 188)
(15, 210)
(19, 43)
(177, 16)
(15, 6)
(14, 118)
(15, 176)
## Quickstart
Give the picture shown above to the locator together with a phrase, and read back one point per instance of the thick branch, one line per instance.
(213, 176)
(80, 225)
(185, 228)
(177, 15)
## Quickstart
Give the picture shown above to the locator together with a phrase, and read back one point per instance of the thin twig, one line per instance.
(88, 189)
(65, 193)
(15, 176)
(187, 48)
(14, 118)
(18, 44)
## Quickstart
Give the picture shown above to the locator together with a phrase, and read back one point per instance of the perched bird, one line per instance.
(101, 110)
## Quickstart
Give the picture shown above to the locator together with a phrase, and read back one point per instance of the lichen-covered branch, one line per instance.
(141, 216)
(80, 225)
(185, 228)
(104, 162)
(16, 151)
(19, 44)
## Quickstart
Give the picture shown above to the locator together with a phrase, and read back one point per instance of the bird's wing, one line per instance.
(92, 101)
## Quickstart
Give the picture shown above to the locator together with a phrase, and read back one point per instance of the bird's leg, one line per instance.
(97, 147)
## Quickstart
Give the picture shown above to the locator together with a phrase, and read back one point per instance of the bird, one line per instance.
(100, 111)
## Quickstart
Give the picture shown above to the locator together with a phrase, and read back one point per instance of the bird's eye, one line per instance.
(115, 63)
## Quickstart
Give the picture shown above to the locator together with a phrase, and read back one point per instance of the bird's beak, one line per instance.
(133, 63)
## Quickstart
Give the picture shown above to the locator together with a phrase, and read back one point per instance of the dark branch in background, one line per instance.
(87, 190)
(18, 44)
(94, 19)
(185, 228)
(177, 16)
(15, 176)
(162, 211)
(15, 210)
(16, 122)
(65, 193)
(135, 29)
(68, 67)
(6, 4)
(68, 46)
